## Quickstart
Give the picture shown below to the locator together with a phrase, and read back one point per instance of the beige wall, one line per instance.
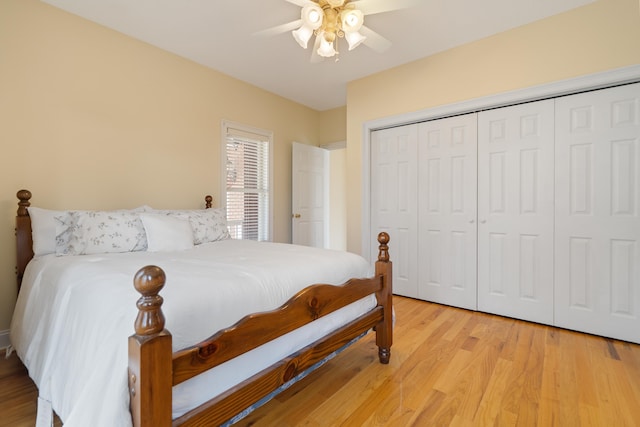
(333, 125)
(603, 35)
(92, 119)
(338, 201)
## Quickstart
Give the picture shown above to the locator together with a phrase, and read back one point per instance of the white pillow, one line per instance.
(167, 232)
(43, 230)
(97, 232)
(209, 225)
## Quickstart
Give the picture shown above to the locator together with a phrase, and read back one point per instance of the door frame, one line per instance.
(600, 80)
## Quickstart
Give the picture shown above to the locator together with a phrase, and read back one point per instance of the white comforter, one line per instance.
(74, 314)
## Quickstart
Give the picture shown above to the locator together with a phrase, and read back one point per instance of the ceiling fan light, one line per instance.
(326, 48)
(303, 35)
(312, 16)
(354, 39)
(335, 3)
(351, 20)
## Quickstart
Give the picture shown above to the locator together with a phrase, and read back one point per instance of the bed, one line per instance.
(244, 321)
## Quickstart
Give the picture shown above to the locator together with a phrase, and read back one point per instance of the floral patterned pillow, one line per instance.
(209, 225)
(96, 232)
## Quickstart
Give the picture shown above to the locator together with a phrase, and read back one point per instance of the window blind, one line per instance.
(247, 185)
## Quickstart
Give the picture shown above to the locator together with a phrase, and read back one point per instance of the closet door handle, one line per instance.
(472, 221)
(483, 221)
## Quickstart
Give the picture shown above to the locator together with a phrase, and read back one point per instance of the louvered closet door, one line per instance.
(598, 212)
(515, 211)
(447, 205)
(394, 201)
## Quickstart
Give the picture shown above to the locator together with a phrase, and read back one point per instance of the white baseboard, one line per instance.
(4, 339)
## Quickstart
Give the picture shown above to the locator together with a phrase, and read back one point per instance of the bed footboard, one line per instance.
(154, 369)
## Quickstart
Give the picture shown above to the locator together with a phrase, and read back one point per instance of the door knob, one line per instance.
(296, 215)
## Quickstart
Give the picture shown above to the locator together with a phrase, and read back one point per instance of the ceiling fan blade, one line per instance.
(371, 7)
(299, 2)
(315, 58)
(374, 40)
(279, 29)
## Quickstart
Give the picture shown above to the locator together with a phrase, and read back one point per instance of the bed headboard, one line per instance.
(24, 241)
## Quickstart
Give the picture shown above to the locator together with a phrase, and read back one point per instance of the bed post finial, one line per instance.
(383, 252)
(208, 202)
(24, 196)
(149, 281)
(150, 355)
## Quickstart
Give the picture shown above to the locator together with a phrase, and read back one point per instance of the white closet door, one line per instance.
(598, 212)
(394, 201)
(447, 150)
(515, 211)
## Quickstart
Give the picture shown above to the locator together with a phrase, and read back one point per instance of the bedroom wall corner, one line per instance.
(333, 132)
(333, 125)
(4, 339)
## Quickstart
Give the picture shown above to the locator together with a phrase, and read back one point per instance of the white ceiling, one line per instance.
(220, 34)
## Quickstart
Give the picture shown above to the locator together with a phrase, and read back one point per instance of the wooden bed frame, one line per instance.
(154, 369)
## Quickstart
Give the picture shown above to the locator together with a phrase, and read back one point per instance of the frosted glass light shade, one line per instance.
(303, 35)
(351, 20)
(354, 39)
(326, 48)
(312, 16)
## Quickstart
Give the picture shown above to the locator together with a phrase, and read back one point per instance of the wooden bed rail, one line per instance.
(257, 329)
(154, 369)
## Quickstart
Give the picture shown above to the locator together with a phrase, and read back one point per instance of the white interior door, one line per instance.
(448, 208)
(310, 195)
(394, 202)
(597, 236)
(515, 211)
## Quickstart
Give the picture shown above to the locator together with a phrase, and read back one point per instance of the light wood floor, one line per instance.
(449, 367)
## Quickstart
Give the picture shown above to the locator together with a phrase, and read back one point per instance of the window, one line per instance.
(247, 157)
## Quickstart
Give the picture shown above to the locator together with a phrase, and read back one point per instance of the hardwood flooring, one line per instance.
(449, 367)
(18, 394)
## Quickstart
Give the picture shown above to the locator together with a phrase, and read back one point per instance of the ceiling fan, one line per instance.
(331, 20)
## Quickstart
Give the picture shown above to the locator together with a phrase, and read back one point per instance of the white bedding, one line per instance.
(74, 314)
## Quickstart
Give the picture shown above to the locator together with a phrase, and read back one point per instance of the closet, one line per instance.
(530, 211)
(394, 184)
(447, 225)
(515, 211)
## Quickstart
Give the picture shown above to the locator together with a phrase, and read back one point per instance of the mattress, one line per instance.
(74, 314)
